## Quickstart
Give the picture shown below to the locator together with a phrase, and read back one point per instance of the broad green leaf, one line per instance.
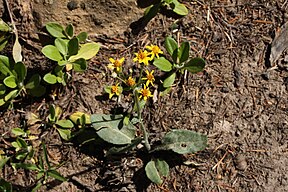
(69, 30)
(4, 27)
(2, 89)
(18, 131)
(56, 175)
(62, 46)
(183, 52)
(80, 65)
(65, 123)
(64, 133)
(21, 71)
(152, 173)
(168, 1)
(169, 80)
(73, 46)
(180, 8)
(5, 67)
(87, 51)
(114, 136)
(101, 120)
(27, 166)
(82, 36)
(55, 29)
(11, 95)
(5, 186)
(77, 116)
(16, 51)
(195, 65)
(37, 91)
(163, 64)
(183, 141)
(2, 102)
(151, 12)
(51, 52)
(33, 82)
(10, 82)
(120, 150)
(170, 45)
(162, 167)
(50, 78)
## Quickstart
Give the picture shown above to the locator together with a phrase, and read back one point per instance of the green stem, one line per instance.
(145, 133)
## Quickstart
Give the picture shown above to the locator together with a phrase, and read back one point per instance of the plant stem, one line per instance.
(145, 133)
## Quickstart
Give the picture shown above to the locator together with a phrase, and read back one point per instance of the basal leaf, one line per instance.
(50, 78)
(180, 8)
(65, 123)
(33, 82)
(18, 131)
(183, 52)
(195, 65)
(162, 167)
(73, 46)
(51, 52)
(62, 46)
(10, 81)
(11, 95)
(21, 71)
(87, 51)
(80, 65)
(169, 80)
(152, 173)
(2, 89)
(64, 133)
(69, 30)
(5, 67)
(163, 64)
(4, 27)
(113, 136)
(170, 45)
(55, 29)
(82, 36)
(37, 91)
(76, 118)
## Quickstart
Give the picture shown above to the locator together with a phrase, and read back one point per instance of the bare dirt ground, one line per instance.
(239, 101)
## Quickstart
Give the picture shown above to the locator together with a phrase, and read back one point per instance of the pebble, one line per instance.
(72, 5)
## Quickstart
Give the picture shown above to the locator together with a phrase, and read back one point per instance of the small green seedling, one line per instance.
(5, 34)
(69, 51)
(43, 171)
(180, 61)
(13, 81)
(63, 126)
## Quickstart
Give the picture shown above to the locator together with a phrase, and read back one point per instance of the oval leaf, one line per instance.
(113, 136)
(10, 82)
(82, 36)
(73, 46)
(37, 91)
(52, 53)
(65, 123)
(195, 65)
(152, 173)
(50, 78)
(21, 71)
(163, 167)
(64, 134)
(55, 29)
(163, 64)
(5, 65)
(80, 65)
(77, 118)
(33, 82)
(170, 45)
(62, 45)
(168, 82)
(87, 51)
(183, 52)
(69, 30)
(180, 9)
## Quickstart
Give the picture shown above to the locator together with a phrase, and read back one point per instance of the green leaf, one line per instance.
(64, 133)
(70, 30)
(18, 131)
(170, 45)
(5, 67)
(163, 64)
(27, 166)
(45, 154)
(82, 36)
(16, 51)
(51, 52)
(152, 173)
(169, 80)
(73, 46)
(55, 29)
(33, 82)
(10, 82)
(11, 95)
(183, 141)
(180, 8)
(5, 186)
(3, 161)
(3, 43)
(151, 12)
(183, 52)
(4, 27)
(50, 78)
(35, 189)
(21, 71)
(162, 167)
(2, 102)
(87, 51)
(37, 91)
(195, 65)
(2, 89)
(80, 65)
(76, 118)
(120, 150)
(113, 136)
(65, 123)
(56, 175)
(62, 46)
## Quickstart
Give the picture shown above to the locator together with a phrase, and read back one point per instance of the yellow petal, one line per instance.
(112, 60)
(122, 60)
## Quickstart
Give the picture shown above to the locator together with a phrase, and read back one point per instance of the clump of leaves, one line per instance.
(13, 81)
(70, 51)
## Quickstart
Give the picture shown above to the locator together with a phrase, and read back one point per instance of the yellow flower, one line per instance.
(115, 90)
(116, 64)
(142, 57)
(145, 93)
(130, 82)
(155, 51)
(149, 77)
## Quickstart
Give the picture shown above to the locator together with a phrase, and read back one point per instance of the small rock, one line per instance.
(72, 5)
(240, 162)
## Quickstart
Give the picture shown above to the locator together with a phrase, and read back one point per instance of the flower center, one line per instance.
(142, 55)
(145, 92)
(130, 82)
(117, 63)
(150, 77)
(114, 89)
(155, 49)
